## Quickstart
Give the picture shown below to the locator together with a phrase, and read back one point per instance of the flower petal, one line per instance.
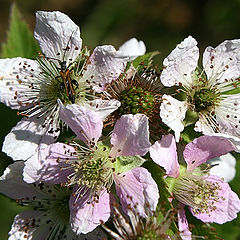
(12, 184)
(203, 124)
(130, 136)
(16, 78)
(223, 167)
(24, 139)
(49, 164)
(131, 49)
(58, 36)
(18, 229)
(85, 216)
(86, 123)
(222, 63)
(104, 67)
(233, 139)
(104, 107)
(173, 113)
(137, 189)
(205, 148)
(183, 224)
(164, 153)
(226, 208)
(228, 115)
(180, 63)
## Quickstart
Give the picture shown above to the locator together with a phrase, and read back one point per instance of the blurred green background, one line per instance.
(160, 24)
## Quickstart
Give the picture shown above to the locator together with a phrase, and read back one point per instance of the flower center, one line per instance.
(136, 100)
(92, 169)
(53, 210)
(197, 192)
(205, 99)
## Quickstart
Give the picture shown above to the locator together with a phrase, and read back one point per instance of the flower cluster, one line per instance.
(95, 146)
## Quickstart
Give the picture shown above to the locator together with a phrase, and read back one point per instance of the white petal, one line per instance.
(18, 229)
(12, 184)
(16, 77)
(180, 63)
(173, 113)
(228, 115)
(34, 164)
(223, 62)
(104, 107)
(203, 125)
(225, 167)
(55, 32)
(131, 49)
(24, 139)
(104, 67)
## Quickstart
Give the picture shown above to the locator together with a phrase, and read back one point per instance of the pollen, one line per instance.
(197, 192)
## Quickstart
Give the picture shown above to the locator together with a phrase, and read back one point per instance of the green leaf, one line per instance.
(126, 163)
(20, 40)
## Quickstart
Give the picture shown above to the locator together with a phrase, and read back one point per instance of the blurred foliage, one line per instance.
(160, 24)
(20, 40)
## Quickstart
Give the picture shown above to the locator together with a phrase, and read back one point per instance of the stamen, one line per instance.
(197, 192)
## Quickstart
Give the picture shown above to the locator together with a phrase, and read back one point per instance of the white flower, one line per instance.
(207, 90)
(50, 218)
(34, 86)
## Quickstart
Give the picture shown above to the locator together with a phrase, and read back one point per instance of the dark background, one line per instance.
(160, 24)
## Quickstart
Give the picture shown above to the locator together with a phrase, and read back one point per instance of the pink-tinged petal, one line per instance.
(226, 209)
(137, 189)
(223, 167)
(180, 63)
(84, 216)
(49, 165)
(205, 148)
(164, 153)
(55, 32)
(104, 67)
(18, 229)
(172, 113)
(131, 49)
(85, 122)
(16, 77)
(130, 136)
(12, 184)
(104, 107)
(24, 139)
(233, 139)
(183, 224)
(222, 63)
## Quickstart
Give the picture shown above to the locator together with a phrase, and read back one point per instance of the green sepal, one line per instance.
(144, 61)
(20, 40)
(236, 90)
(190, 117)
(126, 163)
